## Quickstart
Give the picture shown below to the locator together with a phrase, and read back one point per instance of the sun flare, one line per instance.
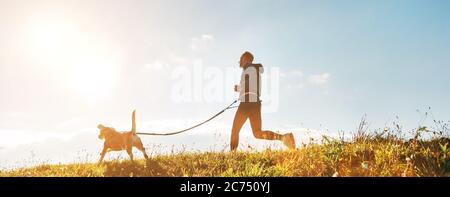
(83, 62)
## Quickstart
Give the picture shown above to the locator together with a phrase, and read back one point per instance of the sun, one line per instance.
(82, 61)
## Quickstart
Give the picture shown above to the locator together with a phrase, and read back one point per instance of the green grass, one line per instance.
(361, 157)
(376, 153)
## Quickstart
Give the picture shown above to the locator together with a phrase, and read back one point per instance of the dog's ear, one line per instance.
(100, 126)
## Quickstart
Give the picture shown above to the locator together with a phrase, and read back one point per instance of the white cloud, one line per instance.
(292, 73)
(156, 65)
(296, 86)
(293, 79)
(319, 79)
(202, 42)
(297, 73)
(177, 60)
(207, 37)
(14, 138)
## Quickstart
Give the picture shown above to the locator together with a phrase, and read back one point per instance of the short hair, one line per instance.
(247, 55)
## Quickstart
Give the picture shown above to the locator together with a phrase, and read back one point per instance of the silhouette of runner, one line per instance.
(250, 105)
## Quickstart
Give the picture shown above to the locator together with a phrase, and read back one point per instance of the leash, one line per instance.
(190, 128)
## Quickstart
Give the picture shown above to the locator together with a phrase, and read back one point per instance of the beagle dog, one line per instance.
(118, 141)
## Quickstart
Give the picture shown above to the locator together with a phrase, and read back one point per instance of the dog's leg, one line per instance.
(130, 153)
(141, 148)
(145, 154)
(102, 155)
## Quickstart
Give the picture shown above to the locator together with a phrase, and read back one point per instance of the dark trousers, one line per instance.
(252, 111)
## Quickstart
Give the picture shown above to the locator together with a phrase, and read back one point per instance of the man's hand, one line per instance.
(236, 88)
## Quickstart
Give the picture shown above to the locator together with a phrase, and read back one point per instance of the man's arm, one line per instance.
(237, 88)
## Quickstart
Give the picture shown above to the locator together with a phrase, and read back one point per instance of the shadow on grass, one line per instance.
(149, 168)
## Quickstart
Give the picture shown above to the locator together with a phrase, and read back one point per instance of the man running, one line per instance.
(250, 105)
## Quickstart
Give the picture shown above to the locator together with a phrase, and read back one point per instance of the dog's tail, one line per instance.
(133, 123)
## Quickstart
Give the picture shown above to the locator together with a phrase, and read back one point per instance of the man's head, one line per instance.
(246, 59)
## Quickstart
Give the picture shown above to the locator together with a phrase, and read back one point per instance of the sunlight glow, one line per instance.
(83, 62)
(93, 79)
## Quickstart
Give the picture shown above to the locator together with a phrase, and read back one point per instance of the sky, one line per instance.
(66, 66)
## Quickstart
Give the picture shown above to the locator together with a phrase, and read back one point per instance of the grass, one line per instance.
(369, 157)
(377, 153)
